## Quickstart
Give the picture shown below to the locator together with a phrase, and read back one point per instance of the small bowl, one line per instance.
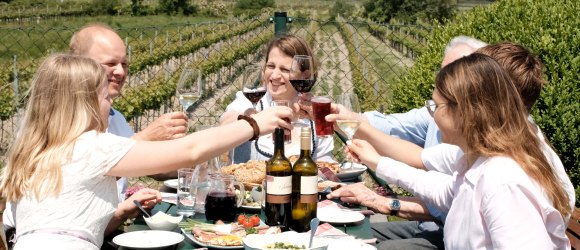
(163, 221)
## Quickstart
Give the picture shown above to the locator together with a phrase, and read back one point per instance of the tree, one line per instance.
(408, 10)
(172, 7)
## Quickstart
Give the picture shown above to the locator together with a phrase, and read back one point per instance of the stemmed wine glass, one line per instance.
(349, 126)
(252, 84)
(302, 78)
(189, 88)
(302, 73)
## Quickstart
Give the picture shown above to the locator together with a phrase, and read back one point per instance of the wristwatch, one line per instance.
(395, 206)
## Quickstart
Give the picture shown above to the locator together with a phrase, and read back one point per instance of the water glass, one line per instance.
(287, 132)
(186, 190)
(321, 108)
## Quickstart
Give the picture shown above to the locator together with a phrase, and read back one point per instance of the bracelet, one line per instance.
(252, 123)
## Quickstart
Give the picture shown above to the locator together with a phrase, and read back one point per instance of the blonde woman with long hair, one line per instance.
(61, 170)
(504, 194)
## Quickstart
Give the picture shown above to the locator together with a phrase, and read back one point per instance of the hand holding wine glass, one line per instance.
(189, 88)
(349, 126)
(252, 84)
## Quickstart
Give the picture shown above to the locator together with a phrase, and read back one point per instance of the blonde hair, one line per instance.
(63, 104)
(493, 119)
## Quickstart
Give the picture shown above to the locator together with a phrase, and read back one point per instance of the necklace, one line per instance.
(270, 155)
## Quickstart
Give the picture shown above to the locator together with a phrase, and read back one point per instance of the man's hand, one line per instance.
(167, 127)
(147, 197)
(358, 193)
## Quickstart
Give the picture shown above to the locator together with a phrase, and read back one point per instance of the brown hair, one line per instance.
(525, 69)
(493, 122)
(292, 45)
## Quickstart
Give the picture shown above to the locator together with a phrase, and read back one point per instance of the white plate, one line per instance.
(171, 183)
(339, 244)
(338, 216)
(148, 239)
(346, 173)
(252, 208)
(189, 235)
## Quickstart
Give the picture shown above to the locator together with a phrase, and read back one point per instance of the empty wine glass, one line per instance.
(189, 88)
(252, 84)
(302, 73)
(349, 126)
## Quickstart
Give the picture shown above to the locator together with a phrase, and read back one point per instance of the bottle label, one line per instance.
(308, 184)
(279, 185)
(278, 199)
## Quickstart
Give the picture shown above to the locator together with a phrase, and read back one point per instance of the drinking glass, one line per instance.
(253, 86)
(186, 190)
(321, 108)
(189, 88)
(349, 126)
(302, 73)
(287, 132)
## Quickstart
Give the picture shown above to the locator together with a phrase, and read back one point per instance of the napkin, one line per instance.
(327, 230)
(169, 197)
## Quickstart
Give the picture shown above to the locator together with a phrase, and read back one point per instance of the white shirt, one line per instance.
(324, 145)
(493, 205)
(444, 158)
(86, 202)
(118, 126)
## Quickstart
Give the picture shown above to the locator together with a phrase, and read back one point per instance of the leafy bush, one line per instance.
(550, 28)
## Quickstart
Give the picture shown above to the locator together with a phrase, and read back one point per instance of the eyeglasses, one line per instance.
(432, 106)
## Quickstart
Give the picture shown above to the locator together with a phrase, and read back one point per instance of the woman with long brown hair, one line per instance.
(504, 193)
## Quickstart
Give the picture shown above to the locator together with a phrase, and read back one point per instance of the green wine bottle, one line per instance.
(278, 185)
(304, 185)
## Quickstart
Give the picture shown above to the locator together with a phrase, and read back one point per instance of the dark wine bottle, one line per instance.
(304, 185)
(278, 185)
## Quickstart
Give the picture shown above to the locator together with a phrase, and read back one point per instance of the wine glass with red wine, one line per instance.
(302, 73)
(252, 84)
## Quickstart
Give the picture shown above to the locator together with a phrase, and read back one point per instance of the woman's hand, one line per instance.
(364, 152)
(146, 196)
(339, 112)
(272, 118)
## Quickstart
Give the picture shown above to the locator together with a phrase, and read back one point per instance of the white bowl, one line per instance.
(262, 241)
(163, 221)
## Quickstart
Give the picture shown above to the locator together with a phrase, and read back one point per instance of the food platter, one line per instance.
(192, 238)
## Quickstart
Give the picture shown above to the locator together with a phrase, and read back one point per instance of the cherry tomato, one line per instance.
(247, 224)
(255, 220)
(241, 219)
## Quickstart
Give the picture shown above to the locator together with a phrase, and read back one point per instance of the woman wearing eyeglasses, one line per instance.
(504, 193)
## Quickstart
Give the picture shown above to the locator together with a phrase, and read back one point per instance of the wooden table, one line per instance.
(360, 230)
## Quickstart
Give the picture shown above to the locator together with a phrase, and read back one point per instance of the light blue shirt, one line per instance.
(416, 126)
